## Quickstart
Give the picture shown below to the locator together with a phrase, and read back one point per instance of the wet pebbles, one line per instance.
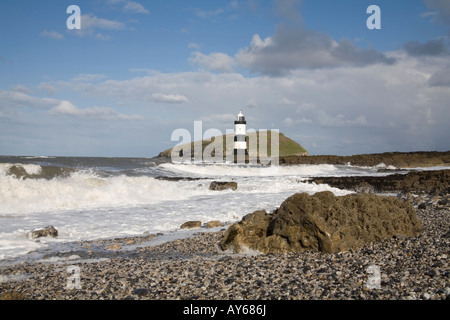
(195, 268)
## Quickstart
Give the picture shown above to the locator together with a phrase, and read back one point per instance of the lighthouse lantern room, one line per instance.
(240, 141)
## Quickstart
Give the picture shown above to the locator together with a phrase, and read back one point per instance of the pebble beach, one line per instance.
(197, 269)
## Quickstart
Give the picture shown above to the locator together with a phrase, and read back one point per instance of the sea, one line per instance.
(91, 198)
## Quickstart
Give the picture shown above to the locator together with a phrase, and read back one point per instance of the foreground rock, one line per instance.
(220, 185)
(323, 222)
(47, 231)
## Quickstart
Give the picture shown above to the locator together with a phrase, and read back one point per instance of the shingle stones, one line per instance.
(323, 222)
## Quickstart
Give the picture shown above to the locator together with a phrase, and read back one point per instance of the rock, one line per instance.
(323, 222)
(220, 185)
(213, 224)
(426, 296)
(396, 159)
(47, 231)
(114, 246)
(433, 181)
(140, 291)
(447, 292)
(191, 225)
(12, 296)
(422, 205)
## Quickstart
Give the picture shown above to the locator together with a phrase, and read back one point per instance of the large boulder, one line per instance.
(49, 231)
(191, 225)
(323, 222)
(221, 185)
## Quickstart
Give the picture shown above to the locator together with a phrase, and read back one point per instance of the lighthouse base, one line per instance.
(240, 156)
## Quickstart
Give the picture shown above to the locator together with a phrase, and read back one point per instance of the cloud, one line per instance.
(169, 98)
(129, 6)
(442, 7)
(341, 121)
(48, 88)
(193, 45)
(216, 61)
(289, 9)
(286, 102)
(89, 77)
(21, 88)
(435, 47)
(292, 48)
(289, 122)
(223, 119)
(52, 34)
(18, 99)
(14, 100)
(441, 78)
(67, 108)
(208, 14)
(90, 24)
(251, 104)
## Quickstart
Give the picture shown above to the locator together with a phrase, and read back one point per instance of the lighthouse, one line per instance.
(240, 141)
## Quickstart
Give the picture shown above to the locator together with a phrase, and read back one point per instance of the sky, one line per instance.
(138, 70)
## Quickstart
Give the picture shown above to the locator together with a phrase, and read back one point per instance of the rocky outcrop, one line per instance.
(397, 159)
(191, 225)
(213, 224)
(323, 222)
(417, 181)
(47, 231)
(220, 185)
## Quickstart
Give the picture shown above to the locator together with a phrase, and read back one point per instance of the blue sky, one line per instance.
(138, 70)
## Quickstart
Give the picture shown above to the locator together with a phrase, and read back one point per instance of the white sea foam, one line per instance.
(302, 171)
(85, 189)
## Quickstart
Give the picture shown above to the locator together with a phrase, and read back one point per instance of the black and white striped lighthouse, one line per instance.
(240, 141)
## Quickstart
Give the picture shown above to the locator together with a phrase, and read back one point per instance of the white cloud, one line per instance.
(132, 6)
(210, 13)
(223, 119)
(90, 24)
(67, 108)
(215, 61)
(21, 88)
(48, 88)
(289, 122)
(88, 77)
(169, 98)
(15, 99)
(340, 120)
(193, 45)
(286, 102)
(52, 34)
(129, 6)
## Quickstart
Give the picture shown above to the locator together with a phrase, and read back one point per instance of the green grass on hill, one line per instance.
(287, 146)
